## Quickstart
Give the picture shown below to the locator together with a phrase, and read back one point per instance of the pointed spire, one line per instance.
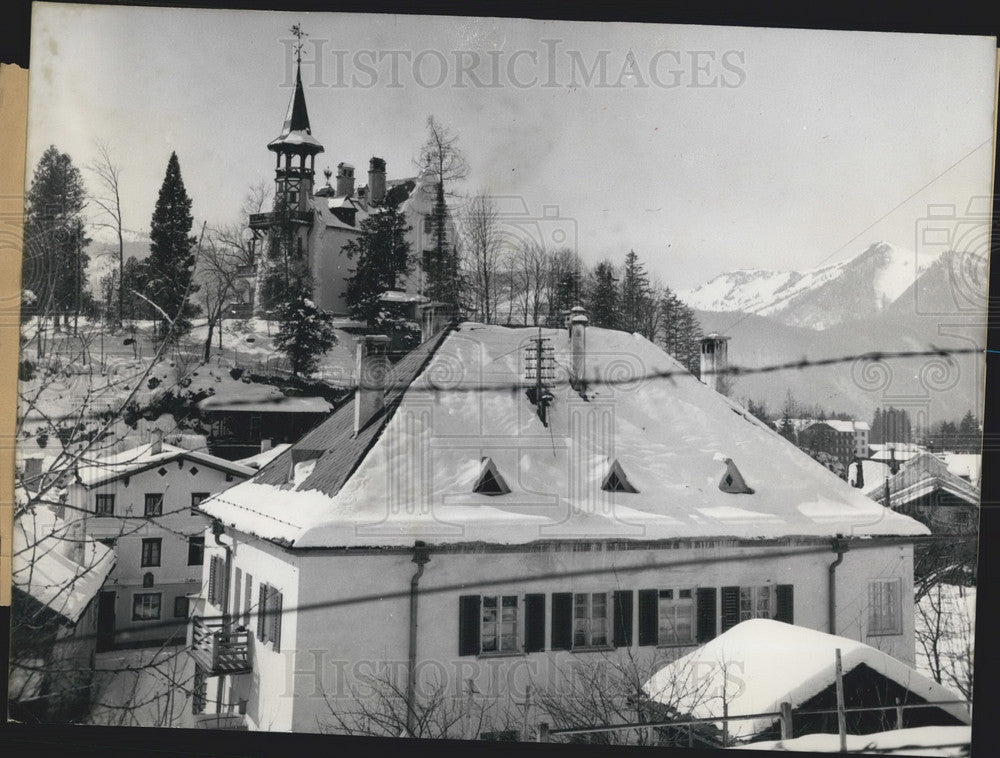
(296, 134)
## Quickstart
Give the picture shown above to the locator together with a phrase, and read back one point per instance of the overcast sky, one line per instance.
(704, 149)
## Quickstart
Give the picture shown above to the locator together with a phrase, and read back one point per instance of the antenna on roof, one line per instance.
(540, 368)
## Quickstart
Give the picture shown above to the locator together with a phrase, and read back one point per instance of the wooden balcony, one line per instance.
(265, 221)
(218, 651)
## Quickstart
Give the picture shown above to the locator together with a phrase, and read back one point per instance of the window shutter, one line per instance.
(247, 600)
(274, 614)
(705, 610)
(212, 580)
(469, 619)
(785, 604)
(562, 620)
(262, 613)
(534, 623)
(623, 618)
(730, 607)
(648, 617)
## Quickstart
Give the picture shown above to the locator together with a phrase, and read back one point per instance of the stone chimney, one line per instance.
(714, 360)
(371, 370)
(156, 442)
(376, 181)
(578, 345)
(266, 444)
(345, 179)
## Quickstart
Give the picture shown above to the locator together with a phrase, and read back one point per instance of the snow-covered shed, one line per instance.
(928, 490)
(759, 664)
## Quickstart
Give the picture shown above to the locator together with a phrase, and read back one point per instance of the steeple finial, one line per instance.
(296, 134)
(299, 34)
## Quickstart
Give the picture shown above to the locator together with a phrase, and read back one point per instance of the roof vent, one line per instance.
(490, 482)
(733, 482)
(616, 481)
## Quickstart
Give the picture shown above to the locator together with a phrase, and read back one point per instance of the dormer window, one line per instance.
(733, 482)
(490, 482)
(616, 481)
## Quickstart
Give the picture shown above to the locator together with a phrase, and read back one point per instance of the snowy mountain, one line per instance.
(818, 298)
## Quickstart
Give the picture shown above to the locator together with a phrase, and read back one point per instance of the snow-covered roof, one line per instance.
(396, 296)
(922, 474)
(875, 473)
(928, 741)
(460, 397)
(966, 465)
(899, 447)
(102, 469)
(55, 563)
(841, 426)
(260, 460)
(760, 663)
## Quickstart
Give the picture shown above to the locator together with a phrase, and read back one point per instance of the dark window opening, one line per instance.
(490, 482)
(616, 481)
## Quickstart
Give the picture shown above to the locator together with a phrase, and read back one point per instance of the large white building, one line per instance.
(141, 503)
(463, 522)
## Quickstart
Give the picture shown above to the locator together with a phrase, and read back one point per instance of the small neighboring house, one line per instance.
(141, 502)
(57, 575)
(759, 664)
(539, 527)
(927, 490)
(844, 440)
(244, 426)
(895, 453)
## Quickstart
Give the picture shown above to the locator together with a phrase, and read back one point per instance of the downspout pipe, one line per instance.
(421, 556)
(839, 547)
(217, 531)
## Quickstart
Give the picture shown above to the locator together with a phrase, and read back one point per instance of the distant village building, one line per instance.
(844, 440)
(753, 668)
(57, 574)
(326, 218)
(141, 503)
(446, 523)
(927, 490)
(243, 426)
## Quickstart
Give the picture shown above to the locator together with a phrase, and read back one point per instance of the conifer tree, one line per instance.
(635, 292)
(382, 256)
(602, 297)
(305, 333)
(54, 239)
(171, 258)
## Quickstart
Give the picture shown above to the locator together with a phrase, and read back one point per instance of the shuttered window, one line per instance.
(247, 599)
(590, 619)
(730, 608)
(534, 623)
(785, 604)
(216, 580)
(648, 621)
(562, 620)
(622, 612)
(262, 613)
(468, 624)
(705, 612)
(269, 601)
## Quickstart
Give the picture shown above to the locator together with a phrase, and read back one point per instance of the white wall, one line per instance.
(362, 621)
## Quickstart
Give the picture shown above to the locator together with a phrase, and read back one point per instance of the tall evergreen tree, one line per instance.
(305, 334)
(54, 238)
(635, 293)
(382, 257)
(602, 297)
(171, 257)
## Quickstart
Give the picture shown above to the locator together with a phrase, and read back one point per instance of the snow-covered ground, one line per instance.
(943, 741)
(144, 687)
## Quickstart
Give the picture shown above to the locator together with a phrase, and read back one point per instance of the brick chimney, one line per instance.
(345, 179)
(371, 370)
(376, 181)
(578, 345)
(714, 360)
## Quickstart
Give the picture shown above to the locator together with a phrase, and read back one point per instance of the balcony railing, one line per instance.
(218, 651)
(267, 220)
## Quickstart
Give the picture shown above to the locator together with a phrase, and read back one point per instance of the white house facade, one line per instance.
(478, 525)
(141, 503)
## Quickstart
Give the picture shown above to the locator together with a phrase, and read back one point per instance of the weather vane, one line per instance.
(299, 34)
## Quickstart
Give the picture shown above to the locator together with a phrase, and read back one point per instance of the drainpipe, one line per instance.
(839, 547)
(421, 556)
(217, 531)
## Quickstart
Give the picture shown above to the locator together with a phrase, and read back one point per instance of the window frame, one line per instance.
(895, 610)
(140, 598)
(499, 636)
(754, 591)
(187, 606)
(104, 498)
(199, 541)
(676, 602)
(588, 630)
(150, 542)
(201, 497)
(158, 510)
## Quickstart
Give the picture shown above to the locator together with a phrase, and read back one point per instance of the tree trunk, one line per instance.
(208, 341)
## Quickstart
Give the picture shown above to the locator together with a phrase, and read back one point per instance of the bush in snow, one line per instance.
(306, 333)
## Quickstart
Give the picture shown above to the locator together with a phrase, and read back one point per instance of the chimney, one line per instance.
(156, 446)
(714, 359)
(376, 181)
(578, 345)
(345, 179)
(266, 445)
(371, 369)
